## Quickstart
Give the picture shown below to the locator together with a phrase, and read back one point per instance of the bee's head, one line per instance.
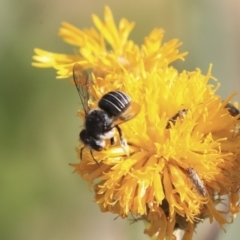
(90, 142)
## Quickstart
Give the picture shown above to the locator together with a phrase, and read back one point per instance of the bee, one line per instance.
(114, 108)
(197, 182)
(232, 110)
(180, 114)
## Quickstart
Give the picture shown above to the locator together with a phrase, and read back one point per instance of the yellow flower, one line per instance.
(184, 145)
(107, 48)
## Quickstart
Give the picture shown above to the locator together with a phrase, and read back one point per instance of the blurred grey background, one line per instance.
(40, 198)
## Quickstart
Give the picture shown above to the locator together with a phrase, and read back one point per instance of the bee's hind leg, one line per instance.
(123, 141)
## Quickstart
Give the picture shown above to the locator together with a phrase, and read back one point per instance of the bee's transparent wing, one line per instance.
(82, 79)
(130, 113)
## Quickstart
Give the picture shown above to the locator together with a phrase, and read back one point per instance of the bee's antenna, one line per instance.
(80, 153)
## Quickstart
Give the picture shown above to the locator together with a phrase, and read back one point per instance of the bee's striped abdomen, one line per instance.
(114, 103)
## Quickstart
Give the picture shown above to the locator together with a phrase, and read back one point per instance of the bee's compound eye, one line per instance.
(83, 135)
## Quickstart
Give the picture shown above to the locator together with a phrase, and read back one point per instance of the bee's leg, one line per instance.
(134, 219)
(123, 141)
(94, 158)
(81, 152)
(112, 141)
